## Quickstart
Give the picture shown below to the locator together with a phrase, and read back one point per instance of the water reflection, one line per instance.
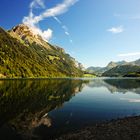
(117, 85)
(124, 85)
(37, 108)
(24, 102)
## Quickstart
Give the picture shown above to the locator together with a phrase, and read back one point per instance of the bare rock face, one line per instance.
(23, 30)
(28, 36)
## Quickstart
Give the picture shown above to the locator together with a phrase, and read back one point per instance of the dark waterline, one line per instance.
(40, 109)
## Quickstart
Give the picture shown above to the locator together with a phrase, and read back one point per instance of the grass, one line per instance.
(89, 75)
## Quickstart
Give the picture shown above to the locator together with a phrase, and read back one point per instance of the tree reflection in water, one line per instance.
(24, 104)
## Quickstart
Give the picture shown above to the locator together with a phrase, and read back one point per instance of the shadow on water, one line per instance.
(24, 104)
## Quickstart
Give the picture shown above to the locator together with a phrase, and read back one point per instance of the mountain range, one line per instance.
(26, 54)
(121, 68)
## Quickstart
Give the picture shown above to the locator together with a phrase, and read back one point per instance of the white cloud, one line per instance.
(67, 33)
(58, 20)
(64, 27)
(129, 54)
(37, 3)
(116, 30)
(47, 34)
(32, 20)
(55, 11)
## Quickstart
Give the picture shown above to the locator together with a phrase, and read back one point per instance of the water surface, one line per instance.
(41, 109)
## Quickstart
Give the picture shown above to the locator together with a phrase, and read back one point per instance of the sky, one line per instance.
(94, 32)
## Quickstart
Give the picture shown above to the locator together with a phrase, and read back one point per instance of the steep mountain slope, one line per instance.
(28, 36)
(137, 62)
(23, 54)
(123, 71)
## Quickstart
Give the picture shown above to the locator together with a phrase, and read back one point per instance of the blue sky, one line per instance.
(94, 32)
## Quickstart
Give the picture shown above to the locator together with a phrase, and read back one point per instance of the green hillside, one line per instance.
(120, 68)
(123, 71)
(21, 59)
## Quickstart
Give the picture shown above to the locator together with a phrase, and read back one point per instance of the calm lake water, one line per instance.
(44, 109)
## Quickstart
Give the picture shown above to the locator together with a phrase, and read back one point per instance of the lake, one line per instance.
(46, 108)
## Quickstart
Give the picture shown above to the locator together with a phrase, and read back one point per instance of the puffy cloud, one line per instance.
(47, 34)
(116, 30)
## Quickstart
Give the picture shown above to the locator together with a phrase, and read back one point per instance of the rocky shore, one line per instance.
(121, 129)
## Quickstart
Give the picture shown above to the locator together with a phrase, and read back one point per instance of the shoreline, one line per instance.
(42, 78)
(121, 129)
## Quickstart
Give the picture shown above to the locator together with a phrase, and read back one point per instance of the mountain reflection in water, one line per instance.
(43, 108)
(23, 103)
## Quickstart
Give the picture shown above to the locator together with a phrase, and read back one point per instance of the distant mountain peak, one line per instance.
(111, 64)
(114, 64)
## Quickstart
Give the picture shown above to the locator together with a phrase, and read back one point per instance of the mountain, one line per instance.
(137, 62)
(94, 69)
(101, 70)
(114, 64)
(123, 71)
(25, 54)
(27, 36)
